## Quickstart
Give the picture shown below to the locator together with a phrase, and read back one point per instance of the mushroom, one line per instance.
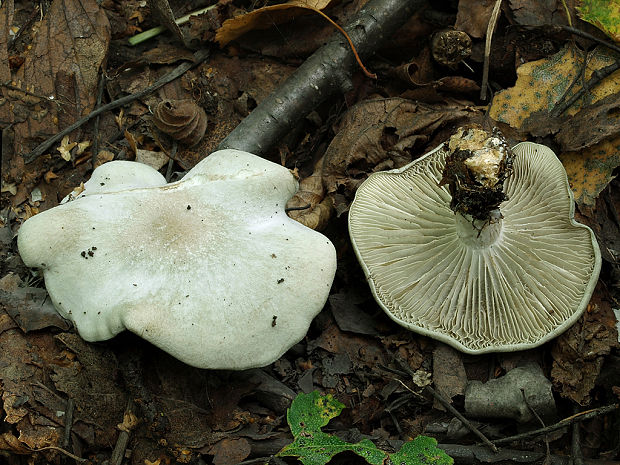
(502, 275)
(209, 268)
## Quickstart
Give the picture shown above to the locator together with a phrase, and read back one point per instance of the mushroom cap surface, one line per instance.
(210, 268)
(512, 286)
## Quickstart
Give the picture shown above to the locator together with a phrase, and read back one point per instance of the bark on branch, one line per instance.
(326, 73)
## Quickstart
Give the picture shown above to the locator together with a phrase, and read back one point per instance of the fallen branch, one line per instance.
(324, 74)
(560, 424)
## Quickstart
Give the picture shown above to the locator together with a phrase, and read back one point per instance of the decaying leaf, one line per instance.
(377, 135)
(540, 86)
(30, 307)
(311, 412)
(65, 148)
(266, 17)
(89, 376)
(315, 209)
(62, 67)
(162, 11)
(230, 451)
(578, 354)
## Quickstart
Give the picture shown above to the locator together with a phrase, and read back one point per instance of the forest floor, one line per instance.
(552, 79)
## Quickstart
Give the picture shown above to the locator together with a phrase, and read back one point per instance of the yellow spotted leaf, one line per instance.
(540, 86)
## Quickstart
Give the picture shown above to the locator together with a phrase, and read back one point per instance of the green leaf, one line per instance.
(604, 14)
(310, 412)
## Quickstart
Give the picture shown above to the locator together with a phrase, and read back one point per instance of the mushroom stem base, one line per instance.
(477, 234)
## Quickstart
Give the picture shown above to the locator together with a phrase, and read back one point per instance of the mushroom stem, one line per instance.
(478, 234)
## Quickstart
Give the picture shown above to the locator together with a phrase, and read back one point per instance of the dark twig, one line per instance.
(173, 153)
(463, 420)
(66, 439)
(446, 403)
(542, 423)
(62, 451)
(199, 57)
(561, 424)
(597, 77)
(123, 437)
(100, 88)
(576, 455)
(324, 74)
(585, 35)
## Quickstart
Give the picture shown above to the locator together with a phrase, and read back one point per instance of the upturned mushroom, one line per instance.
(210, 268)
(499, 265)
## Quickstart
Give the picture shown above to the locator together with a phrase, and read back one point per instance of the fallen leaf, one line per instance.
(309, 413)
(30, 307)
(230, 451)
(91, 380)
(473, 16)
(313, 209)
(65, 148)
(449, 375)
(163, 13)
(579, 353)
(590, 170)
(182, 120)
(540, 86)
(266, 17)
(62, 68)
(377, 135)
(604, 14)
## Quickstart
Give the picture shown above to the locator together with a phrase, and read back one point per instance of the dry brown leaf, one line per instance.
(473, 17)
(449, 375)
(266, 17)
(230, 451)
(378, 135)
(62, 67)
(311, 194)
(578, 354)
(163, 13)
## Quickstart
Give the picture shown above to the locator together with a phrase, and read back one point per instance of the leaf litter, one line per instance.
(186, 415)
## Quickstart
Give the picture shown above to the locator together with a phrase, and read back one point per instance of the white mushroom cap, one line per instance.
(117, 176)
(209, 268)
(507, 285)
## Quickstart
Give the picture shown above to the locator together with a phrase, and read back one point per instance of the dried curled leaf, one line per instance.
(182, 120)
(313, 209)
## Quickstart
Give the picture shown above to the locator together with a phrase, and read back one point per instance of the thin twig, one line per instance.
(561, 424)
(446, 403)
(123, 438)
(10, 86)
(62, 451)
(487, 49)
(597, 77)
(542, 423)
(346, 36)
(585, 35)
(199, 57)
(173, 153)
(66, 440)
(575, 449)
(100, 88)
(463, 420)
